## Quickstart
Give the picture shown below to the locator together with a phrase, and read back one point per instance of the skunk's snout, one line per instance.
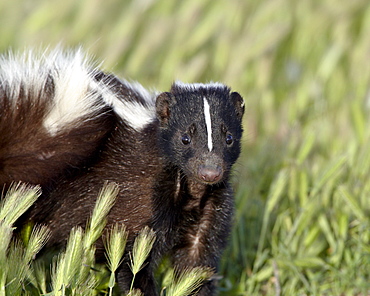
(210, 173)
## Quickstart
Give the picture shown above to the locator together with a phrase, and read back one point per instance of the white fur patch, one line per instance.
(77, 95)
(207, 116)
(74, 96)
(18, 70)
(72, 78)
(137, 115)
(200, 85)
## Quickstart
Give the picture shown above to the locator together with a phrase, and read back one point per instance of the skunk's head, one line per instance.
(200, 129)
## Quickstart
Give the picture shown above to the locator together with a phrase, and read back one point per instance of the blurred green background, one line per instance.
(302, 190)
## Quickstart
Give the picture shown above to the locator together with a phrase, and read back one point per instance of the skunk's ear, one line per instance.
(163, 106)
(238, 103)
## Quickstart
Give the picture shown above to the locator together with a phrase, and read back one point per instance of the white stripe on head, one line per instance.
(200, 85)
(207, 116)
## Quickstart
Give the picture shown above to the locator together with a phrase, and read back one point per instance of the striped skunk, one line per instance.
(70, 127)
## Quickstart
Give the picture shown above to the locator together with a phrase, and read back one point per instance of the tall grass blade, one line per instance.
(275, 194)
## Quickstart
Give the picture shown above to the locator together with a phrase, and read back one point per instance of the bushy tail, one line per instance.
(53, 115)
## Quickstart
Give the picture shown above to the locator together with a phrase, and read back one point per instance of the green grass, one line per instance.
(302, 191)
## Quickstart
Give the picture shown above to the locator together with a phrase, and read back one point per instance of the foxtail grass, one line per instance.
(135, 292)
(17, 200)
(98, 220)
(115, 243)
(141, 250)
(71, 270)
(15, 258)
(187, 281)
(67, 267)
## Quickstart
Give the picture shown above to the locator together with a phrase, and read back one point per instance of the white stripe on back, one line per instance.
(207, 116)
(136, 114)
(26, 76)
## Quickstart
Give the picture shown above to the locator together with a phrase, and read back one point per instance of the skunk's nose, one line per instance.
(210, 174)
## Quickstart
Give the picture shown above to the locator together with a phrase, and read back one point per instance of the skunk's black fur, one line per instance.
(171, 155)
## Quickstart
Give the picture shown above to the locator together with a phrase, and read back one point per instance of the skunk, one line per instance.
(171, 153)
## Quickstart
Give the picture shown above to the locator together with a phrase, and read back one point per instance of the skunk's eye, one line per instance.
(185, 139)
(229, 139)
